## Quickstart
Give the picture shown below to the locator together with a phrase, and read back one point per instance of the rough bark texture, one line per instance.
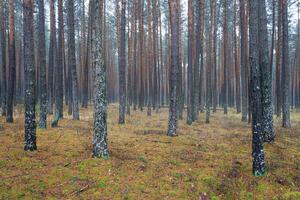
(190, 103)
(173, 7)
(244, 59)
(60, 64)
(30, 125)
(42, 64)
(3, 58)
(278, 88)
(122, 65)
(12, 64)
(225, 51)
(52, 58)
(255, 77)
(266, 76)
(100, 148)
(286, 72)
(72, 58)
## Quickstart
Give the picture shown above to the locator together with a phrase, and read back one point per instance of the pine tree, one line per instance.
(100, 148)
(42, 64)
(122, 65)
(72, 58)
(30, 125)
(173, 110)
(12, 63)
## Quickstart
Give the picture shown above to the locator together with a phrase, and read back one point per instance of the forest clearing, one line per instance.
(212, 161)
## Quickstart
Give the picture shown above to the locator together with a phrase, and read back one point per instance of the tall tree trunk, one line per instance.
(173, 8)
(12, 64)
(278, 88)
(3, 58)
(257, 138)
(190, 108)
(52, 57)
(244, 59)
(100, 148)
(236, 63)
(122, 65)
(30, 125)
(59, 67)
(266, 76)
(42, 64)
(286, 72)
(72, 58)
(226, 66)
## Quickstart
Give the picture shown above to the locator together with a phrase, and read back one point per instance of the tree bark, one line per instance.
(12, 64)
(173, 8)
(30, 125)
(100, 146)
(72, 58)
(42, 64)
(122, 65)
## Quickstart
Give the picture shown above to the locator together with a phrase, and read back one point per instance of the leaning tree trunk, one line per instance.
(174, 8)
(100, 148)
(255, 83)
(122, 65)
(30, 125)
(72, 58)
(12, 64)
(286, 78)
(42, 64)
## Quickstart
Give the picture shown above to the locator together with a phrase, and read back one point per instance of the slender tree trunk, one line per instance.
(52, 58)
(236, 63)
(190, 63)
(266, 76)
(278, 88)
(122, 65)
(59, 67)
(174, 10)
(244, 59)
(3, 58)
(12, 64)
(72, 59)
(286, 72)
(257, 139)
(30, 125)
(100, 148)
(42, 64)
(226, 38)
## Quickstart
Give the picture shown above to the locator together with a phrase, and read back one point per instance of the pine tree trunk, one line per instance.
(255, 82)
(30, 125)
(3, 58)
(12, 64)
(60, 65)
(286, 72)
(122, 65)
(173, 7)
(244, 59)
(226, 66)
(190, 104)
(266, 76)
(100, 148)
(42, 64)
(72, 58)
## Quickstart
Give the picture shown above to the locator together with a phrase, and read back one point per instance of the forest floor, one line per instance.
(206, 161)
